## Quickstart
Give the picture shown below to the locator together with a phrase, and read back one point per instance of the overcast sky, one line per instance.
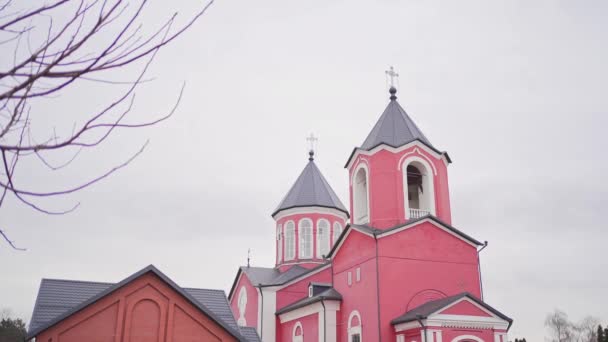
(515, 91)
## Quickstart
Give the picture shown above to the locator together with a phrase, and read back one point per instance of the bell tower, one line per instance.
(397, 175)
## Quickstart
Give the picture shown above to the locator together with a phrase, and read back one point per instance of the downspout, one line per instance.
(324, 321)
(261, 312)
(485, 244)
(419, 319)
(378, 287)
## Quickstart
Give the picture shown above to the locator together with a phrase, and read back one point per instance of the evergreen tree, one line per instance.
(600, 334)
(12, 330)
(605, 335)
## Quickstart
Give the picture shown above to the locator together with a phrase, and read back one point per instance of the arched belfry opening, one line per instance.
(361, 196)
(419, 190)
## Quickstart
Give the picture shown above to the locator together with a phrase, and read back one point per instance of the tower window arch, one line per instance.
(305, 232)
(290, 240)
(337, 231)
(279, 243)
(354, 327)
(361, 195)
(322, 238)
(419, 190)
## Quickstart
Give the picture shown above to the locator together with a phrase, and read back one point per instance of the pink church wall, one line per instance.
(386, 192)
(251, 310)
(315, 217)
(411, 268)
(357, 251)
(310, 328)
(298, 290)
(465, 308)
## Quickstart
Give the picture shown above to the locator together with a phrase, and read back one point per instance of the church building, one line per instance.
(389, 268)
(393, 268)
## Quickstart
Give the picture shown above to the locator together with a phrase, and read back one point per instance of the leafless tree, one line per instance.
(587, 329)
(560, 328)
(55, 45)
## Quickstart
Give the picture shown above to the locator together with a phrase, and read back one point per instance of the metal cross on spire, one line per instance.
(392, 75)
(312, 140)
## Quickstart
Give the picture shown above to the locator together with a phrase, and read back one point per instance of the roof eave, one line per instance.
(443, 153)
(274, 214)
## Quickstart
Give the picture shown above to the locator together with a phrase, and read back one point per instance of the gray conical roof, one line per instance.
(311, 190)
(394, 128)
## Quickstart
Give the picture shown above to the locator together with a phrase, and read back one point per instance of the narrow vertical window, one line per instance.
(349, 278)
(322, 238)
(279, 243)
(354, 327)
(337, 231)
(360, 197)
(358, 274)
(290, 240)
(305, 231)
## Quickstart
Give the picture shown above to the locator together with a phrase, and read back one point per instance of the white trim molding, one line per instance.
(352, 330)
(298, 338)
(360, 152)
(311, 210)
(429, 184)
(467, 337)
(356, 199)
(500, 337)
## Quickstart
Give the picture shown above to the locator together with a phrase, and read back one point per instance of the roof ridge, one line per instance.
(77, 281)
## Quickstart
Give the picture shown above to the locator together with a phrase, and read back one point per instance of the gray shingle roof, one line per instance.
(270, 276)
(250, 334)
(58, 299)
(394, 128)
(428, 308)
(311, 190)
(329, 294)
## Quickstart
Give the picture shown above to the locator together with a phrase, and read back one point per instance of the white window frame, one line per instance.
(279, 243)
(360, 218)
(339, 230)
(349, 278)
(299, 338)
(354, 330)
(290, 240)
(358, 274)
(305, 253)
(428, 177)
(320, 243)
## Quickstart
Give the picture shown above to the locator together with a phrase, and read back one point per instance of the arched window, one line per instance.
(337, 231)
(290, 240)
(298, 333)
(279, 243)
(322, 238)
(354, 327)
(242, 305)
(361, 196)
(418, 187)
(305, 231)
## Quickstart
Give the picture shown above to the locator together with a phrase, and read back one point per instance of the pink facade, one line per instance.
(333, 220)
(386, 190)
(399, 253)
(250, 313)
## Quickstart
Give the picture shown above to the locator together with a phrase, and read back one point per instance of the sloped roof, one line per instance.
(428, 308)
(394, 128)
(250, 334)
(59, 299)
(329, 294)
(271, 276)
(311, 189)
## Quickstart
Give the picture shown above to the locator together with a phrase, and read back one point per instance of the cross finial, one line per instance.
(392, 75)
(248, 256)
(312, 140)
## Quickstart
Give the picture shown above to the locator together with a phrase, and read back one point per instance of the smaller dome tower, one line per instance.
(309, 220)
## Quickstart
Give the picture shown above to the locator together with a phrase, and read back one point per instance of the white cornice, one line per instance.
(314, 308)
(311, 210)
(438, 156)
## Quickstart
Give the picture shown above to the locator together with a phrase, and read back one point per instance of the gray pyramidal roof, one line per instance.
(311, 190)
(59, 299)
(394, 128)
